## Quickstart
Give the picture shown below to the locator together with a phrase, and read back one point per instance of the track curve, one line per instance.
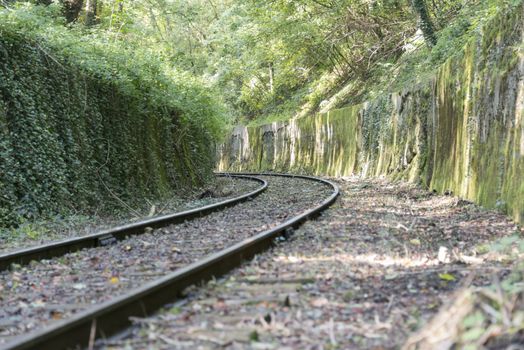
(109, 236)
(112, 316)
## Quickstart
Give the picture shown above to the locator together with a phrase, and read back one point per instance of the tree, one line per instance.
(71, 9)
(90, 12)
(425, 23)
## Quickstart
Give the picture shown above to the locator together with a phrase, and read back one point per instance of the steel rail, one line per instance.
(113, 316)
(105, 237)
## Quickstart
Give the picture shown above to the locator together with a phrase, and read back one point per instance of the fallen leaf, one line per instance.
(56, 315)
(253, 336)
(79, 286)
(446, 277)
(415, 241)
(38, 303)
(471, 260)
(443, 255)
(146, 244)
(391, 276)
(319, 302)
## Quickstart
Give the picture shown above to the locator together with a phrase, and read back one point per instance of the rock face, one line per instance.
(461, 132)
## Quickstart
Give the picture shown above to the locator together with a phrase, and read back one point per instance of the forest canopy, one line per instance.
(279, 58)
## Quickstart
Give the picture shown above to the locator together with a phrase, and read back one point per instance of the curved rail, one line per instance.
(113, 316)
(105, 237)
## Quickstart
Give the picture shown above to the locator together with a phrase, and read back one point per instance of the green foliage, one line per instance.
(264, 55)
(421, 63)
(88, 120)
(280, 57)
(426, 24)
(498, 306)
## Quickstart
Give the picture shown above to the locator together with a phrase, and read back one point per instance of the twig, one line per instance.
(332, 338)
(167, 340)
(503, 307)
(390, 304)
(492, 331)
(50, 56)
(92, 335)
(278, 281)
(137, 214)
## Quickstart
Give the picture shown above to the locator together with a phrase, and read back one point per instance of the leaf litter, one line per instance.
(76, 281)
(369, 273)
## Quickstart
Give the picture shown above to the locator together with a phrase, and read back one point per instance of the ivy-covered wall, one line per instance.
(461, 131)
(72, 141)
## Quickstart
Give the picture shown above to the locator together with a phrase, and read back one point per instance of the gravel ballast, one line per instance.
(36, 295)
(373, 269)
(31, 234)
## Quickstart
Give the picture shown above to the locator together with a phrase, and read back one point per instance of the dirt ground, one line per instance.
(367, 274)
(44, 292)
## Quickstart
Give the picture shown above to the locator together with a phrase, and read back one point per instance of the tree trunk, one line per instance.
(71, 9)
(90, 12)
(271, 76)
(425, 24)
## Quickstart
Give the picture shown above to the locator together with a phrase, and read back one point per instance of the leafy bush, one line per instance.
(85, 118)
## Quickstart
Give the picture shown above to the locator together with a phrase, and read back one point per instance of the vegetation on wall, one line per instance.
(116, 97)
(459, 131)
(86, 120)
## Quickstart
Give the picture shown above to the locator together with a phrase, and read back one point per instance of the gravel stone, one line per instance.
(220, 189)
(365, 275)
(36, 295)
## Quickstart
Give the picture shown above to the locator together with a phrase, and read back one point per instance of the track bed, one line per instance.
(220, 189)
(45, 292)
(364, 276)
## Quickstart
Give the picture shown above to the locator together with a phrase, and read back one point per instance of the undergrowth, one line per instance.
(89, 122)
(418, 63)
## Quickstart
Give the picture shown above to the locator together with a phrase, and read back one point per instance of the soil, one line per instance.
(37, 295)
(370, 271)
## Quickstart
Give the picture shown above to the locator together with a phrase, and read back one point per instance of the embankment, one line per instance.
(74, 139)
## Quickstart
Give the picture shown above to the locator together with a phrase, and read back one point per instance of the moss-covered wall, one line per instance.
(70, 141)
(461, 131)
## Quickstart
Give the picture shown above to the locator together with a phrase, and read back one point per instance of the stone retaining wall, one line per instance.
(461, 131)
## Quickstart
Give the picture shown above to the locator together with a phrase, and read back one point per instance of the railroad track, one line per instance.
(109, 236)
(184, 255)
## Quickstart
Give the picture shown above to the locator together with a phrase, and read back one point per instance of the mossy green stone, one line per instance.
(460, 131)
